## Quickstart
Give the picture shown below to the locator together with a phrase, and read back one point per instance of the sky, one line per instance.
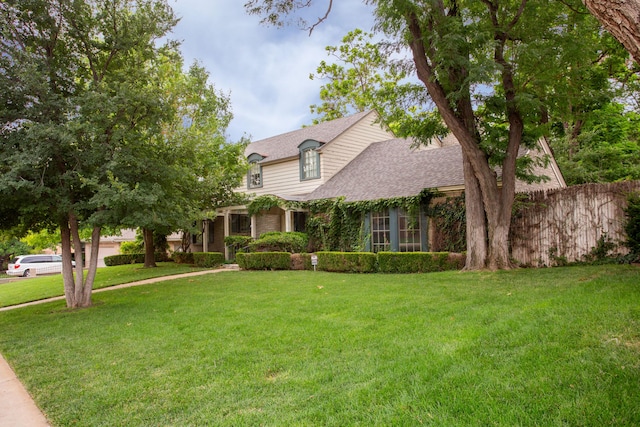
(264, 70)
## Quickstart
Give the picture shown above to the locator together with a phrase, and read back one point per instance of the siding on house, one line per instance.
(348, 146)
(282, 177)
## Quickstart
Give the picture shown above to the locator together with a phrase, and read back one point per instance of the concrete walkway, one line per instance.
(17, 408)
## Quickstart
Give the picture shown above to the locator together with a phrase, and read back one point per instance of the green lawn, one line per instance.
(549, 347)
(18, 290)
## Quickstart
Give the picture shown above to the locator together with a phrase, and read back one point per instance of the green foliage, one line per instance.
(10, 247)
(123, 259)
(276, 241)
(43, 239)
(347, 262)
(264, 261)
(183, 258)
(603, 147)
(449, 224)
(336, 225)
(263, 203)
(138, 258)
(632, 226)
(419, 262)
(208, 259)
(128, 248)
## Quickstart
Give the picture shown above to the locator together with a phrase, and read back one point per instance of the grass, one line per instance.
(19, 290)
(552, 347)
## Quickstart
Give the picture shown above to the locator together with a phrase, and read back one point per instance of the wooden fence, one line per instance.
(567, 223)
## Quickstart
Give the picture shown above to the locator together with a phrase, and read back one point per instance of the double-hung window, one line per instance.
(254, 176)
(309, 160)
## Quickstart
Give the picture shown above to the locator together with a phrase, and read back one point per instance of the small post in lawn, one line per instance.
(314, 261)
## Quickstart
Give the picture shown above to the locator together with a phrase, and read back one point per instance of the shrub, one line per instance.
(183, 257)
(208, 259)
(419, 262)
(277, 241)
(264, 261)
(348, 262)
(632, 226)
(301, 262)
(112, 260)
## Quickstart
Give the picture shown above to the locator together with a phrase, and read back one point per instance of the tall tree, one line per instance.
(186, 169)
(78, 92)
(480, 62)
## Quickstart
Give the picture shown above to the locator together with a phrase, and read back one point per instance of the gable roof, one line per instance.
(392, 168)
(285, 146)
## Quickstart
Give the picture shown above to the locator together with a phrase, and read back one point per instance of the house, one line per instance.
(354, 158)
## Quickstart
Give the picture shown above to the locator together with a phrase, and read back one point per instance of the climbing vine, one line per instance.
(334, 224)
(449, 224)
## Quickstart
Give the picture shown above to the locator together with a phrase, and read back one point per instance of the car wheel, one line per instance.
(26, 273)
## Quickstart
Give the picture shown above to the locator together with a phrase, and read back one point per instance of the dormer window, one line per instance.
(254, 176)
(309, 160)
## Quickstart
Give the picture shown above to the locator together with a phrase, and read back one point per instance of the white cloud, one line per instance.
(266, 70)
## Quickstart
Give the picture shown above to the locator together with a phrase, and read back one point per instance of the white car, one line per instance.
(27, 265)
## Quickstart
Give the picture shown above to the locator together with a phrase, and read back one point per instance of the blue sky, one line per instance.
(265, 70)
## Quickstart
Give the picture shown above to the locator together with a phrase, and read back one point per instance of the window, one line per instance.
(300, 221)
(309, 160)
(254, 176)
(409, 232)
(380, 231)
(240, 224)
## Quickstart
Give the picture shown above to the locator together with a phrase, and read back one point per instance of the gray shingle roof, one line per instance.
(393, 169)
(286, 145)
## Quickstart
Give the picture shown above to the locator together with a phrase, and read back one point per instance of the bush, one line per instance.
(183, 257)
(277, 241)
(264, 261)
(347, 262)
(632, 226)
(208, 259)
(113, 260)
(301, 262)
(419, 262)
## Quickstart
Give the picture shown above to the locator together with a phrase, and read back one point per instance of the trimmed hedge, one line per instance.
(347, 262)
(208, 259)
(264, 261)
(183, 257)
(276, 241)
(124, 259)
(419, 262)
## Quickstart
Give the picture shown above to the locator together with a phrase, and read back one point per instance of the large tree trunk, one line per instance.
(476, 220)
(149, 248)
(622, 19)
(77, 288)
(67, 269)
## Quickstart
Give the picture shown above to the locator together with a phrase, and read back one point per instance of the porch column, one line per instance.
(226, 232)
(287, 220)
(254, 227)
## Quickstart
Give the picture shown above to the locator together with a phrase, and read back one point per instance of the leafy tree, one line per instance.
(43, 239)
(80, 99)
(10, 247)
(605, 150)
(480, 62)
